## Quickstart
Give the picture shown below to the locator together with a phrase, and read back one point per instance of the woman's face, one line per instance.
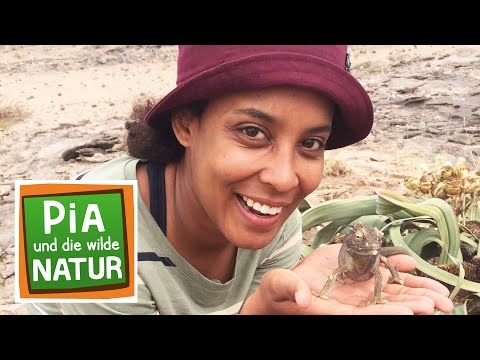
(253, 156)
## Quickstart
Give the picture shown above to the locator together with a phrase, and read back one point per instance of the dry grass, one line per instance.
(12, 113)
(335, 168)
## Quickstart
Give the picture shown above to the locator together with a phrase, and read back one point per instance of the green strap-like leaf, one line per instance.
(422, 238)
(457, 310)
(439, 210)
(339, 209)
(306, 250)
(377, 221)
(467, 240)
(434, 271)
(304, 205)
(472, 304)
(330, 230)
(451, 222)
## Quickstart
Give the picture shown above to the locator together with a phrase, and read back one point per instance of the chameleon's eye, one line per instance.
(359, 234)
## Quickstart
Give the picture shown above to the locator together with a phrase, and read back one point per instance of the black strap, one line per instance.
(156, 181)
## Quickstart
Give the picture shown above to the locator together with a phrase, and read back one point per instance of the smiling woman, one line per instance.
(222, 163)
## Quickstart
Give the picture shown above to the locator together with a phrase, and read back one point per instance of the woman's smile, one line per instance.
(258, 214)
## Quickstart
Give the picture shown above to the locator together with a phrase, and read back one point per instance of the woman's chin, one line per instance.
(252, 241)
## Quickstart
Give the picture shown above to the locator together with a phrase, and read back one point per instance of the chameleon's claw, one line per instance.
(397, 280)
(319, 295)
(373, 302)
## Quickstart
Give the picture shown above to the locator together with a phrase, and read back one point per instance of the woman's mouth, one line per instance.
(258, 208)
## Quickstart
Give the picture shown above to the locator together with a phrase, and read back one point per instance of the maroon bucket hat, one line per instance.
(207, 71)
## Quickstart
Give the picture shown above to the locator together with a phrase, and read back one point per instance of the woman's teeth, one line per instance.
(262, 208)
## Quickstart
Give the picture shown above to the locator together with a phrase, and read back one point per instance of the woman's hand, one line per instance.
(290, 291)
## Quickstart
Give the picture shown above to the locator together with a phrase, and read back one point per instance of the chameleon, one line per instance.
(359, 259)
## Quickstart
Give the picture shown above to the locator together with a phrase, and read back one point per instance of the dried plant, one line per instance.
(335, 168)
(9, 114)
(458, 185)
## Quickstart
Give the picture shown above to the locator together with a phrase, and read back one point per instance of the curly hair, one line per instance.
(157, 144)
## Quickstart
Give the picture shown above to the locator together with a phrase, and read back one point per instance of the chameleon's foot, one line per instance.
(375, 302)
(396, 279)
(319, 295)
(395, 276)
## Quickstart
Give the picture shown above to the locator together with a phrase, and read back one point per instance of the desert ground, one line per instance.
(56, 98)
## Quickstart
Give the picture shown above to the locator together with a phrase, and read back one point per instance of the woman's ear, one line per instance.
(182, 121)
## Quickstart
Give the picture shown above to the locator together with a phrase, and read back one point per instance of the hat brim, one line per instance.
(353, 120)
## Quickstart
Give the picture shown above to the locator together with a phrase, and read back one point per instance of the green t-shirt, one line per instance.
(167, 283)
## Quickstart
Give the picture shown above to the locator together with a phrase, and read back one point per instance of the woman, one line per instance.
(226, 158)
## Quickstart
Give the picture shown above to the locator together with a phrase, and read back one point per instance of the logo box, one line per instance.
(76, 241)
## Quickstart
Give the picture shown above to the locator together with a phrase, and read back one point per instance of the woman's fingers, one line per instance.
(427, 283)
(320, 306)
(285, 285)
(402, 262)
(419, 286)
(417, 303)
(303, 297)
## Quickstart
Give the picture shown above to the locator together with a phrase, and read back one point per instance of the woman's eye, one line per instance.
(312, 144)
(253, 132)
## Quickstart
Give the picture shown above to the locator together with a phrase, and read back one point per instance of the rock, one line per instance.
(5, 190)
(476, 113)
(411, 134)
(8, 271)
(434, 131)
(460, 139)
(89, 149)
(414, 100)
(9, 198)
(7, 292)
(96, 158)
(471, 130)
(7, 240)
(398, 123)
(102, 59)
(13, 309)
(86, 152)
